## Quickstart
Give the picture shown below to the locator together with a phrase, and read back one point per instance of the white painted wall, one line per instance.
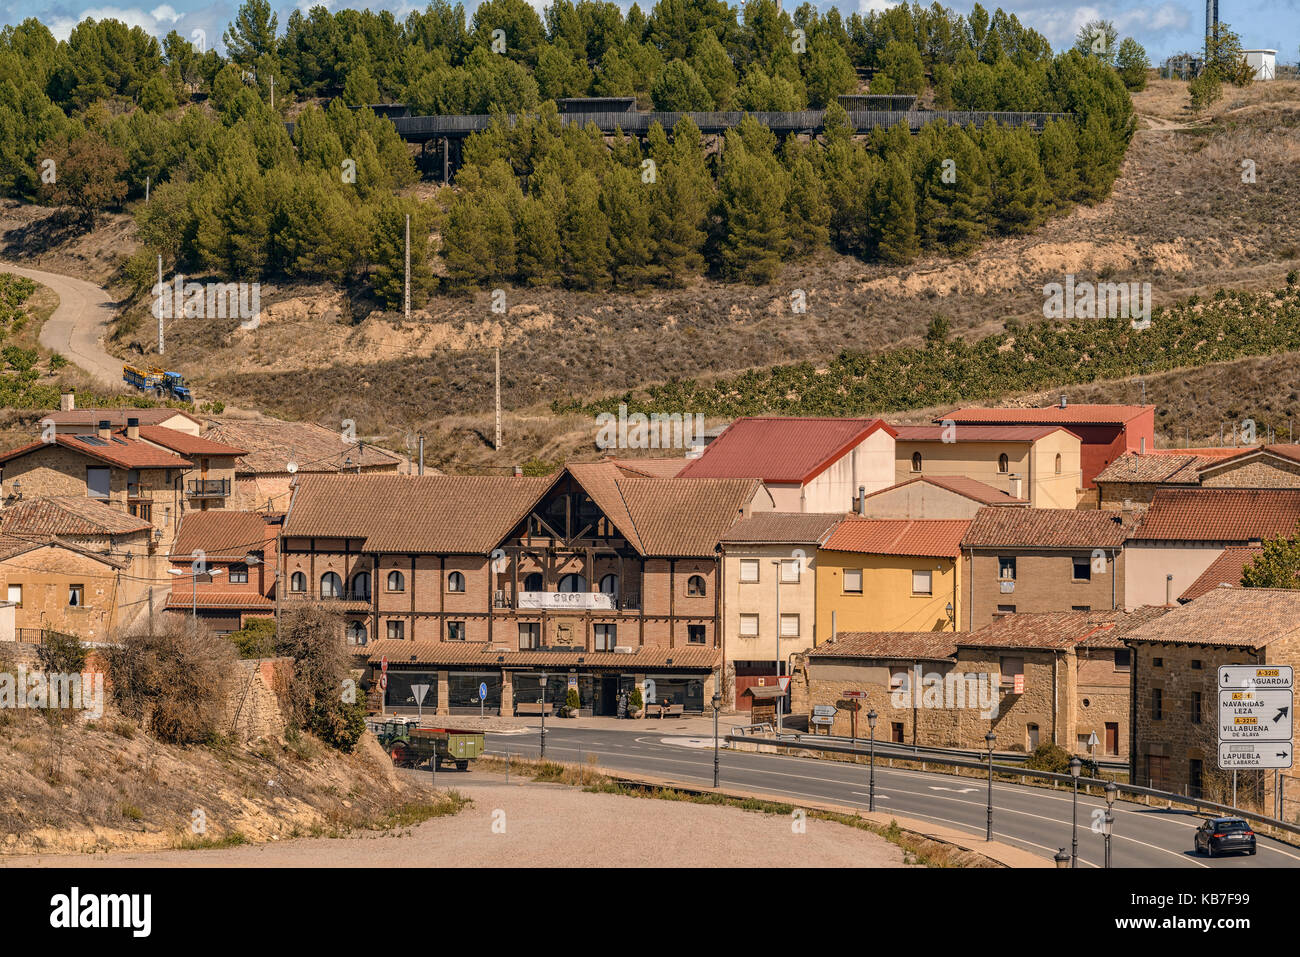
(1146, 565)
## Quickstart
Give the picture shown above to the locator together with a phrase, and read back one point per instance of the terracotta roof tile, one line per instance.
(68, 515)
(185, 444)
(116, 450)
(1226, 570)
(116, 417)
(652, 468)
(1291, 453)
(1168, 467)
(1059, 629)
(962, 485)
(1047, 528)
(780, 449)
(224, 535)
(782, 528)
(685, 517)
(479, 654)
(273, 444)
(930, 538)
(1231, 617)
(902, 645)
(1078, 414)
(1219, 514)
(181, 598)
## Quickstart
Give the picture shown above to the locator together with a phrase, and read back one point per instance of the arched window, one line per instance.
(573, 583)
(298, 582)
(356, 633)
(695, 586)
(916, 461)
(361, 586)
(455, 582)
(396, 581)
(1004, 463)
(533, 582)
(331, 586)
(609, 586)
(1058, 463)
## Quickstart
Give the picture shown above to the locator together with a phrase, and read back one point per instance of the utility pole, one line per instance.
(406, 302)
(497, 444)
(146, 190)
(421, 454)
(160, 311)
(272, 91)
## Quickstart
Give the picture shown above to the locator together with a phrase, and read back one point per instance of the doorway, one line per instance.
(606, 703)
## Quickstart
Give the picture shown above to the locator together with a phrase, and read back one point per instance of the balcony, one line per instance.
(208, 488)
(566, 601)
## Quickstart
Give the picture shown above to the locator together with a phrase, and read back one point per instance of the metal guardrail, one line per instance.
(1123, 788)
(894, 749)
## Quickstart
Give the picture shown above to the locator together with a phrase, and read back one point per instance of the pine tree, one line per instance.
(537, 248)
(1058, 154)
(679, 89)
(386, 252)
(952, 216)
(624, 199)
(751, 191)
(807, 210)
(894, 215)
(681, 199)
(1019, 191)
(584, 235)
(252, 32)
(712, 64)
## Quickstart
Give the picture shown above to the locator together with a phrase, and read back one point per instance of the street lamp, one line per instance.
(871, 726)
(542, 750)
(1062, 859)
(717, 706)
(780, 702)
(195, 573)
(1108, 822)
(1075, 767)
(988, 828)
(952, 615)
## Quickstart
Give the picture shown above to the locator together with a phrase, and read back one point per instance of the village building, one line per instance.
(55, 586)
(76, 421)
(1031, 679)
(601, 581)
(1105, 431)
(223, 566)
(1175, 705)
(1132, 479)
(1044, 560)
(808, 464)
(1184, 531)
(1039, 463)
(275, 452)
(931, 496)
(769, 597)
(886, 575)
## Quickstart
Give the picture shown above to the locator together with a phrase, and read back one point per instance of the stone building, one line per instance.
(932, 496)
(1044, 560)
(1134, 477)
(57, 586)
(597, 578)
(1175, 698)
(1029, 678)
(223, 564)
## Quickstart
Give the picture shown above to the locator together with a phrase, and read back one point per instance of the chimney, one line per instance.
(133, 428)
(1169, 590)
(1142, 446)
(1064, 402)
(68, 401)
(519, 471)
(1014, 481)
(105, 429)
(862, 500)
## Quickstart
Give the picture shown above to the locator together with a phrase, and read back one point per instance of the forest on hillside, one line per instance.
(93, 122)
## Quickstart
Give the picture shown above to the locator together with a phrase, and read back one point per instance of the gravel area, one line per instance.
(536, 825)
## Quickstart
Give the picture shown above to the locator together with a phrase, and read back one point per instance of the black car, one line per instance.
(1223, 835)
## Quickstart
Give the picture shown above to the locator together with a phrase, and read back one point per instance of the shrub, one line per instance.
(61, 653)
(173, 678)
(571, 701)
(634, 702)
(1049, 757)
(313, 638)
(256, 639)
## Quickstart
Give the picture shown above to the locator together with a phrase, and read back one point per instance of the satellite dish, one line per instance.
(292, 467)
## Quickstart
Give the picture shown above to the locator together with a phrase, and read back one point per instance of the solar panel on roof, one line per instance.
(91, 439)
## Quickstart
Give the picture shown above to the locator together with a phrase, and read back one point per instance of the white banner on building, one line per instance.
(567, 600)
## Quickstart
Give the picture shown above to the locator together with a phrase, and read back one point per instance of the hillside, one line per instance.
(1179, 217)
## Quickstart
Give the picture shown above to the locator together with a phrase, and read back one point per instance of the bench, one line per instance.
(664, 710)
(674, 710)
(533, 708)
(654, 711)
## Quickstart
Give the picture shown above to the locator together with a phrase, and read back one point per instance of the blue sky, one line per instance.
(1162, 26)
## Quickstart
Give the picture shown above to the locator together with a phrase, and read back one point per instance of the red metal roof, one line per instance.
(978, 433)
(929, 538)
(1079, 414)
(1219, 514)
(780, 449)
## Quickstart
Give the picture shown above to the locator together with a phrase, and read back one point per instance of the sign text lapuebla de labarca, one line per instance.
(1255, 716)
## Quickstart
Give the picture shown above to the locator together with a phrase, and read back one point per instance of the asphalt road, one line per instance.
(1035, 819)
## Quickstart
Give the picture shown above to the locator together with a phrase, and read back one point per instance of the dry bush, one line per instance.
(173, 678)
(313, 637)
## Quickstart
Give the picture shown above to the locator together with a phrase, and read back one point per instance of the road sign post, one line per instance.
(1255, 719)
(482, 695)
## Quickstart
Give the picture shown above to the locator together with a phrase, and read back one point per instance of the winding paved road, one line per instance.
(1035, 819)
(77, 327)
